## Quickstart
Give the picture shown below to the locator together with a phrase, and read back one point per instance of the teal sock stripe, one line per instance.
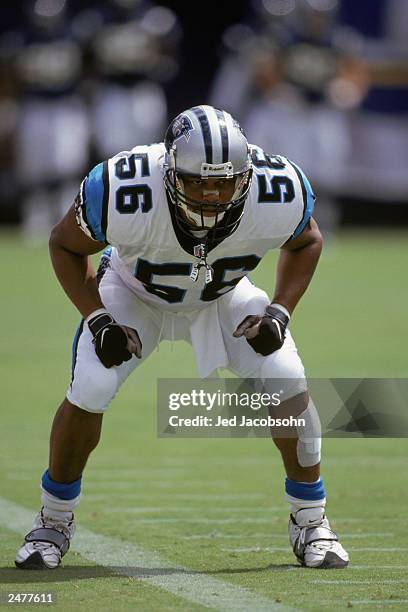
(59, 489)
(310, 491)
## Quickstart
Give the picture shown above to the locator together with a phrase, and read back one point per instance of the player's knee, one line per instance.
(309, 436)
(280, 366)
(92, 391)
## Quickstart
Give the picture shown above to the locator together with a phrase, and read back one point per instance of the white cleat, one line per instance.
(46, 543)
(313, 541)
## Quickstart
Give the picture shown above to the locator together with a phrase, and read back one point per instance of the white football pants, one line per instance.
(209, 330)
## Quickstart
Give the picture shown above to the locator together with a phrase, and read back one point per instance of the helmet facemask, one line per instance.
(220, 206)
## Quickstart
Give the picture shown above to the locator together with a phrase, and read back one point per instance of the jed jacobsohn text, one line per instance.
(234, 421)
(206, 400)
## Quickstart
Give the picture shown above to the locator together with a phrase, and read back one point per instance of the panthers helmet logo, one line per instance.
(181, 126)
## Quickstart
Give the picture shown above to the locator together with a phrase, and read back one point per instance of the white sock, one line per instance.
(298, 504)
(60, 509)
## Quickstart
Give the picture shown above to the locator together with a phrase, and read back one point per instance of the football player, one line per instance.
(185, 221)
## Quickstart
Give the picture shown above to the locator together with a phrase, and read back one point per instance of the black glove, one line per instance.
(111, 340)
(271, 330)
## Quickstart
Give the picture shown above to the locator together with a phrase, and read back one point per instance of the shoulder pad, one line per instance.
(92, 203)
(308, 199)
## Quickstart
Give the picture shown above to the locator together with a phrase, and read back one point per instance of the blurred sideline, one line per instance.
(323, 82)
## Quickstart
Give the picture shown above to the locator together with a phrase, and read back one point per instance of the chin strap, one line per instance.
(200, 251)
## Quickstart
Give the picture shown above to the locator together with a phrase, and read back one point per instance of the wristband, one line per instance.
(95, 313)
(281, 308)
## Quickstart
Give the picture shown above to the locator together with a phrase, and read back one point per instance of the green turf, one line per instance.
(214, 506)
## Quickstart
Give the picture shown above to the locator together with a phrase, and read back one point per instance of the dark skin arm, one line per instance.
(70, 249)
(296, 265)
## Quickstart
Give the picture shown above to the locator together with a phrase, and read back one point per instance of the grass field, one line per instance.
(201, 524)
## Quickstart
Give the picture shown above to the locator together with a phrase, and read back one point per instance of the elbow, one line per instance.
(315, 236)
(53, 239)
(316, 245)
(54, 242)
(319, 240)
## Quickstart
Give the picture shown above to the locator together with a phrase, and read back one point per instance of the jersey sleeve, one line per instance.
(91, 204)
(308, 199)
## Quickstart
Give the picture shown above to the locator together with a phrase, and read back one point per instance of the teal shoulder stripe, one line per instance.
(308, 199)
(94, 199)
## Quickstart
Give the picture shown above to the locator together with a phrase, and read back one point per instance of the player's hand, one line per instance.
(113, 343)
(266, 334)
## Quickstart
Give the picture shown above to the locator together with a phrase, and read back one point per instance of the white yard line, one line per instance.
(363, 519)
(377, 602)
(373, 582)
(156, 484)
(368, 534)
(183, 509)
(366, 461)
(227, 536)
(378, 567)
(362, 602)
(251, 549)
(177, 496)
(379, 549)
(129, 560)
(205, 521)
(278, 548)
(234, 536)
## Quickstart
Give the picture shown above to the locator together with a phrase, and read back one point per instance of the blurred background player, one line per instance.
(51, 137)
(67, 74)
(325, 81)
(131, 48)
(329, 75)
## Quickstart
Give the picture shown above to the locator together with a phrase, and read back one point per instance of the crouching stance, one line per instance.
(182, 223)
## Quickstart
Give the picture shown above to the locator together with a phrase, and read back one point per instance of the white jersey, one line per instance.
(124, 203)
